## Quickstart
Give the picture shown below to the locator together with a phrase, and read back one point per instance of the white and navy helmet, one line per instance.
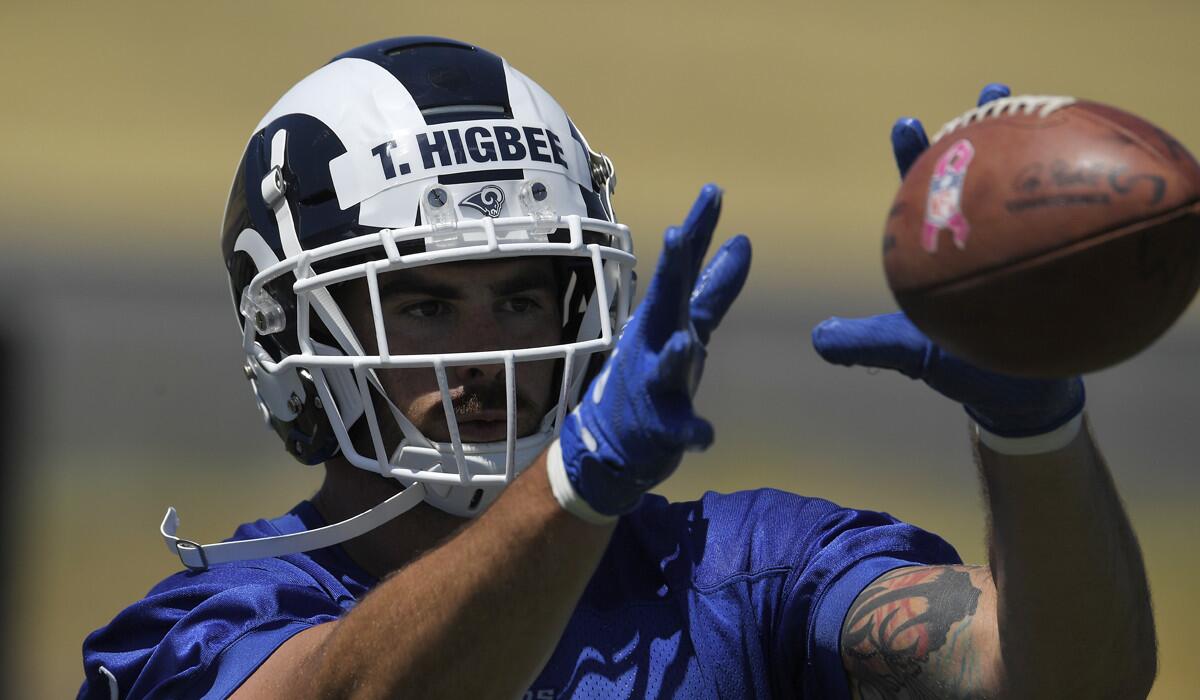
(408, 152)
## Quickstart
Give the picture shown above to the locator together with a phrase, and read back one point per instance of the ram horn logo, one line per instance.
(488, 201)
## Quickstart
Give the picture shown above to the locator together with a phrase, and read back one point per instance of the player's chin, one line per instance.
(483, 430)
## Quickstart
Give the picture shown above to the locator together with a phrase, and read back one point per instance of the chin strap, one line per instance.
(198, 556)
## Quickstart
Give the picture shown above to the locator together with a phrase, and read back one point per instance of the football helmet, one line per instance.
(405, 153)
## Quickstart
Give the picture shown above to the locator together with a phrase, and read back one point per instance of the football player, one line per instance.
(434, 298)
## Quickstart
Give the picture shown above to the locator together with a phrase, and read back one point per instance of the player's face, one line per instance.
(466, 307)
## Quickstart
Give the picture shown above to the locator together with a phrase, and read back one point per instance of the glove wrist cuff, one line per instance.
(565, 493)
(1051, 441)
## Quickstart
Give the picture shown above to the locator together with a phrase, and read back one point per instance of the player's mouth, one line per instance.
(487, 425)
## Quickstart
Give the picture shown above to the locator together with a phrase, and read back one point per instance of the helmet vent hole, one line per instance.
(475, 499)
(318, 198)
(427, 44)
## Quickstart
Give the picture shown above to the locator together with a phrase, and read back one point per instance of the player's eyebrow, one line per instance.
(414, 285)
(525, 278)
(528, 278)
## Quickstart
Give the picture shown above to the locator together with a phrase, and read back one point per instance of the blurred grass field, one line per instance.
(122, 124)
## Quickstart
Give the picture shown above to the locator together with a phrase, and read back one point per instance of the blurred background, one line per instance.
(123, 122)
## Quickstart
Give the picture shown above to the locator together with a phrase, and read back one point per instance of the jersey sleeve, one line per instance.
(772, 576)
(855, 548)
(201, 634)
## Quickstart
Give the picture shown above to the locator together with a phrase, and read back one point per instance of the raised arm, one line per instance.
(1063, 610)
(442, 627)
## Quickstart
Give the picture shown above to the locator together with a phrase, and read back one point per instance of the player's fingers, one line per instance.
(688, 430)
(993, 91)
(679, 364)
(889, 341)
(665, 307)
(719, 285)
(697, 434)
(908, 142)
(701, 221)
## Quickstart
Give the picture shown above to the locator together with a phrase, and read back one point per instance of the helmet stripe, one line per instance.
(441, 73)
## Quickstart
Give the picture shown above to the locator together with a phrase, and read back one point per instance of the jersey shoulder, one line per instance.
(759, 577)
(782, 569)
(761, 532)
(174, 636)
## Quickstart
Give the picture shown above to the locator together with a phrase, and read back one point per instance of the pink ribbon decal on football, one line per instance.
(943, 209)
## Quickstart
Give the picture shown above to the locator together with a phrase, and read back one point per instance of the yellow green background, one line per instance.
(122, 123)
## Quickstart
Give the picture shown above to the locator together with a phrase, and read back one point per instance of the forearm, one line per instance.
(444, 625)
(1073, 606)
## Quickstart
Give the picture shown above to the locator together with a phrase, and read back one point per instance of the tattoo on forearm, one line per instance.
(903, 636)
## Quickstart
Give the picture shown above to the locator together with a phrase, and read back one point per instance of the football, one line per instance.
(1046, 236)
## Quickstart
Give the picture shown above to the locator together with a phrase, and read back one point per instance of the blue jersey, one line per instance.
(731, 596)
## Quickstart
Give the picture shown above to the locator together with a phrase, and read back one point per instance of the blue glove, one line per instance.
(1008, 407)
(1005, 406)
(632, 426)
(908, 136)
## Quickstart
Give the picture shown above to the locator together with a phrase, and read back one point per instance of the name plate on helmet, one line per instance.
(453, 148)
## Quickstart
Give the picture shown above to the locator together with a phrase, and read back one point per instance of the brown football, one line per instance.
(1046, 236)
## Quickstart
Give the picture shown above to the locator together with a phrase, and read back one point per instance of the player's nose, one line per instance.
(479, 332)
(479, 373)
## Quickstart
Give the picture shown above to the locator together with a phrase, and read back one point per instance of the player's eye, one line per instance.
(425, 309)
(519, 305)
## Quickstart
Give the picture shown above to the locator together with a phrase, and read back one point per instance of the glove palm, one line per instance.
(632, 426)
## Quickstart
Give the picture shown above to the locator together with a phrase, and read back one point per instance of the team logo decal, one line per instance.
(943, 209)
(488, 201)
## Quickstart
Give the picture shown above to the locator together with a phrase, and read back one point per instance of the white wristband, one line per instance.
(1056, 439)
(565, 493)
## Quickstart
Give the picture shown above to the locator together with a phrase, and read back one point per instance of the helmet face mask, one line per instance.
(464, 307)
(397, 391)
(427, 160)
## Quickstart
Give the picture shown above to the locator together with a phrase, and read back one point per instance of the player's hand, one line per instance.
(1008, 407)
(908, 136)
(635, 421)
